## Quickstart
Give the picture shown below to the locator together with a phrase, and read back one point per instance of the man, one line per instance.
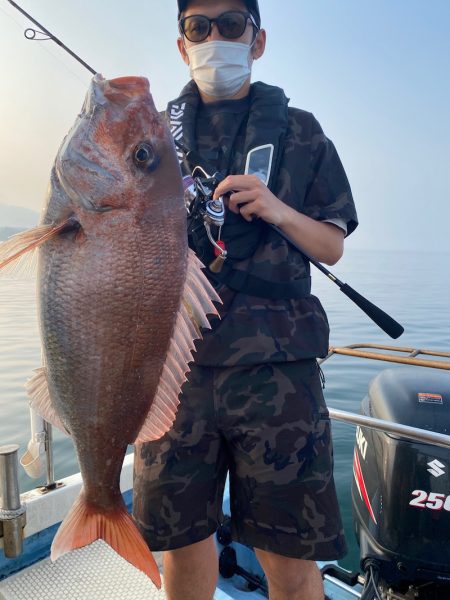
(253, 405)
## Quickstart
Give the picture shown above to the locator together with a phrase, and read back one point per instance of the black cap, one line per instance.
(252, 6)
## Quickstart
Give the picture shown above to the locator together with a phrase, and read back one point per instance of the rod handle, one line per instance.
(382, 319)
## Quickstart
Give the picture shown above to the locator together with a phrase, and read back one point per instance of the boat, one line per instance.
(400, 501)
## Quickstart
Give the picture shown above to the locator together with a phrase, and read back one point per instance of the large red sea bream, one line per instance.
(120, 300)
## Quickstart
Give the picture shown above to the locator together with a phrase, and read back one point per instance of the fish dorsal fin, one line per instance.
(17, 252)
(40, 401)
(196, 303)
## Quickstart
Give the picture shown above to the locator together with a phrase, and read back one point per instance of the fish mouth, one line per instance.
(120, 89)
(126, 89)
(130, 82)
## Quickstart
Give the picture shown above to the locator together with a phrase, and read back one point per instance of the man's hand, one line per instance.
(250, 197)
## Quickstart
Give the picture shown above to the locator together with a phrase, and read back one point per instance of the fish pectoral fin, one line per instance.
(40, 401)
(17, 252)
(196, 303)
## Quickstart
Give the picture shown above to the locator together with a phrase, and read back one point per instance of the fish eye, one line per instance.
(144, 156)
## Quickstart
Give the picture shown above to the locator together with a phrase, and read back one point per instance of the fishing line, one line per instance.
(34, 35)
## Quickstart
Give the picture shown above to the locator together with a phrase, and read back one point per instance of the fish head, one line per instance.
(119, 155)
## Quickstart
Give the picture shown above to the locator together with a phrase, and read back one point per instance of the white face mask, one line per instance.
(219, 68)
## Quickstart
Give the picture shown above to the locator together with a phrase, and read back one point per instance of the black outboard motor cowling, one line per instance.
(401, 488)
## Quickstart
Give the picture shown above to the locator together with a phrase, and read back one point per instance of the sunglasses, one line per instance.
(231, 25)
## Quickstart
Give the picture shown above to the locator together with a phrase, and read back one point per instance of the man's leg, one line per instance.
(291, 578)
(282, 493)
(178, 491)
(190, 573)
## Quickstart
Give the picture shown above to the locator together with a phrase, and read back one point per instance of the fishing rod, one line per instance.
(30, 34)
(378, 316)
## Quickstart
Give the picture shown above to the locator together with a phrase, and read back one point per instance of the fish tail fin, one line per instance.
(84, 524)
(24, 244)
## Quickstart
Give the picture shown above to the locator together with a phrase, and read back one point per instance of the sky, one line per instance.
(375, 74)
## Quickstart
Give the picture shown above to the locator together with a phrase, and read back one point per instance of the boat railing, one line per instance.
(405, 431)
(49, 464)
(12, 511)
(392, 354)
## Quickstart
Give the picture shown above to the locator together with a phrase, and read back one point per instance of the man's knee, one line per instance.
(191, 572)
(202, 551)
(292, 576)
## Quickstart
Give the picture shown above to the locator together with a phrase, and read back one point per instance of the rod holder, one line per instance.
(12, 512)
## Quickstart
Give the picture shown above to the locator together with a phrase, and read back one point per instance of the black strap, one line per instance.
(267, 123)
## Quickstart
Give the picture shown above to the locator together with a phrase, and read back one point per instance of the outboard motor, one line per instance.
(401, 489)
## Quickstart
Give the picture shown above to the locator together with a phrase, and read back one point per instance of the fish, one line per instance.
(121, 299)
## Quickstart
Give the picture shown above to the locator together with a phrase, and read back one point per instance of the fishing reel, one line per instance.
(200, 203)
(205, 211)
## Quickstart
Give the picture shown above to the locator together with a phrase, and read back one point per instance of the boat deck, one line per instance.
(97, 572)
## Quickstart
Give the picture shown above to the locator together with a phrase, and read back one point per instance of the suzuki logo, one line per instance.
(361, 441)
(437, 468)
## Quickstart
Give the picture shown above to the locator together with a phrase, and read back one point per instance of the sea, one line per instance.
(411, 286)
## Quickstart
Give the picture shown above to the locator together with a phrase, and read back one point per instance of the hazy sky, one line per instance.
(375, 74)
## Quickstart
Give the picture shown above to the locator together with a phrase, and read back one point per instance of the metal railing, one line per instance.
(392, 354)
(406, 431)
(410, 359)
(12, 512)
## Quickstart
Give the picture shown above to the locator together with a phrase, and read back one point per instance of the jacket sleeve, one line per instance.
(328, 194)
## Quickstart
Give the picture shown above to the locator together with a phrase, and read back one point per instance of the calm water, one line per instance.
(413, 287)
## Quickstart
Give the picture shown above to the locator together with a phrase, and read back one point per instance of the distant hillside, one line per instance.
(17, 217)
(6, 232)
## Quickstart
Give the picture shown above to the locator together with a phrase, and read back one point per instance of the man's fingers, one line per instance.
(236, 183)
(238, 197)
(247, 212)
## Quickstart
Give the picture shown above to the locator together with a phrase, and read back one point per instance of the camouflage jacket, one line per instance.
(257, 327)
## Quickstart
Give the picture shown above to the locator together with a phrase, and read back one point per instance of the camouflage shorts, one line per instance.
(268, 426)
